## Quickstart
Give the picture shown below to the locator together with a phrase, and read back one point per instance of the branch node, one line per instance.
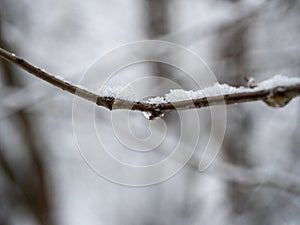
(19, 60)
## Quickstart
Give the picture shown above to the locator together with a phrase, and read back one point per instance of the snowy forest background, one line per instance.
(44, 179)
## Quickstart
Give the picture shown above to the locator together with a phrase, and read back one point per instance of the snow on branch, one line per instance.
(275, 92)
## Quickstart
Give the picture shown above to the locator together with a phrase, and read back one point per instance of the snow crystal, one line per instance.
(122, 92)
(156, 100)
(179, 95)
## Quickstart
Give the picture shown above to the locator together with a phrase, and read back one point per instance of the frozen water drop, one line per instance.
(278, 101)
(147, 115)
(278, 98)
(152, 116)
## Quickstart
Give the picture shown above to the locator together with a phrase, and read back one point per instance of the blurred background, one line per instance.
(44, 179)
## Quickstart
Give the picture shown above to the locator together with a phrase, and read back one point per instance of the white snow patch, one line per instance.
(222, 89)
(215, 90)
(278, 80)
(181, 95)
(156, 100)
(127, 92)
(122, 92)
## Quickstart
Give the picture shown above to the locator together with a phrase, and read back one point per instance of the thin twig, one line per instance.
(275, 96)
(272, 96)
(107, 102)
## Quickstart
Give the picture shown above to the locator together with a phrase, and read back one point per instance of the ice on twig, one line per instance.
(151, 116)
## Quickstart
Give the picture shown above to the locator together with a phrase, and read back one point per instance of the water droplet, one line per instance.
(152, 116)
(278, 98)
(278, 101)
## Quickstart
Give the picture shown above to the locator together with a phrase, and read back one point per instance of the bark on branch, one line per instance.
(276, 96)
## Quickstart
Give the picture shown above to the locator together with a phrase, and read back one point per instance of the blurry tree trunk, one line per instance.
(157, 24)
(157, 18)
(232, 50)
(32, 189)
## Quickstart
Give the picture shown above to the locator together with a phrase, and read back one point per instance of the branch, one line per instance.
(275, 96)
